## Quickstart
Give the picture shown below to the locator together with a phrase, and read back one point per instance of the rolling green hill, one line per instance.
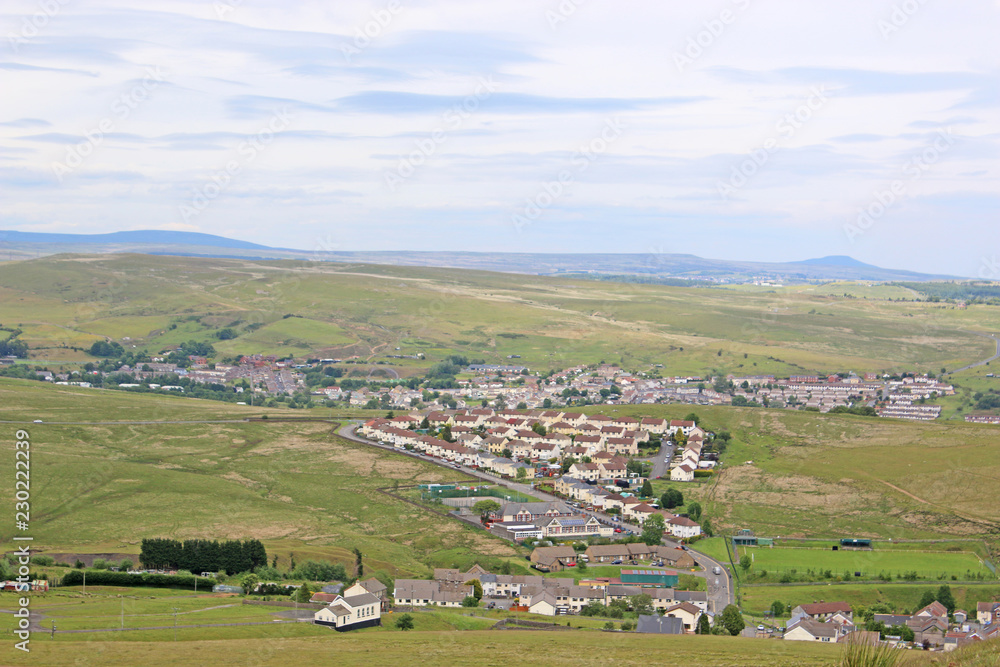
(343, 310)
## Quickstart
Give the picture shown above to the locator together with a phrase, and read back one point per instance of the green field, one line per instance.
(928, 565)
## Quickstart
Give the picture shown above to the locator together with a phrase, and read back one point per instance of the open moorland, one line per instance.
(296, 486)
(341, 310)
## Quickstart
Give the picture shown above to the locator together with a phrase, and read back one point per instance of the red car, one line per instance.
(618, 530)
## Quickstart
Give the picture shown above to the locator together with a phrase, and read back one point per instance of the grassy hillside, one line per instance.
(298, 487)
(368, 311)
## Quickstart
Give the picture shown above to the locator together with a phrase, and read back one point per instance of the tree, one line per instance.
(446, 433)
(538, 428)
(642, 603)
(249, 582)
(745, 562)
(703, 628)
(694, 511)
(692, 417)
(945, 597)
(581, 566)
(522, 473)
(486, 507)
(302, 594)
(777, 608)
(652, 530)
(477, 588)
(706, 527)
(470, 601)
(425, 424)
(926, 599)
(647, 489)
(732, 620)
(506, 453)
(404, 622)
(671, 498)
(358, 565)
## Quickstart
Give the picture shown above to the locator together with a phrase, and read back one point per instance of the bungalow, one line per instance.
(350, 613)
(808, 630)
(605, 553)
(553, 559)
(822, 611)
(422, 593)
(580, 525)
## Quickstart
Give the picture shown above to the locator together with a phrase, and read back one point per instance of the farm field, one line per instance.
(868, 563)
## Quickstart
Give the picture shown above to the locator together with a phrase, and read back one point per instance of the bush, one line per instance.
(105, 578)
(43, 560)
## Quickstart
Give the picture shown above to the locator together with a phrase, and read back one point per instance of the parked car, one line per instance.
(617, 561)
(618, 530)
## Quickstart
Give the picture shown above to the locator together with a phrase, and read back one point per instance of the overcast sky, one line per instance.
(736, 129)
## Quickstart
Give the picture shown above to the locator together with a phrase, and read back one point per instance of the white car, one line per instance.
(38, 421)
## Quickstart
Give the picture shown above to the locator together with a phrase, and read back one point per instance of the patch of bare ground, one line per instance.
(750, 485)
(361, 462)
(396, 468)
(240, 479)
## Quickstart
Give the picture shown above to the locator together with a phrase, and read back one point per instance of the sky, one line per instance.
(734, 129)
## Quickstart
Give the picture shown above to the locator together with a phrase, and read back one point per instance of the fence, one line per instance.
(515, 496)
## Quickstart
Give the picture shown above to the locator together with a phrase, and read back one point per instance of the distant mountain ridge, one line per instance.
(148, 236)
(21, 245)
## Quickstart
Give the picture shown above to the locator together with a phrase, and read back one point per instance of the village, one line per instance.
(259, 377)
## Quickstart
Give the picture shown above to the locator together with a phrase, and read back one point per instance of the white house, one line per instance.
(350, 613)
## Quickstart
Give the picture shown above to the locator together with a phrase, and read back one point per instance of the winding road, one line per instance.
(984, 361)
